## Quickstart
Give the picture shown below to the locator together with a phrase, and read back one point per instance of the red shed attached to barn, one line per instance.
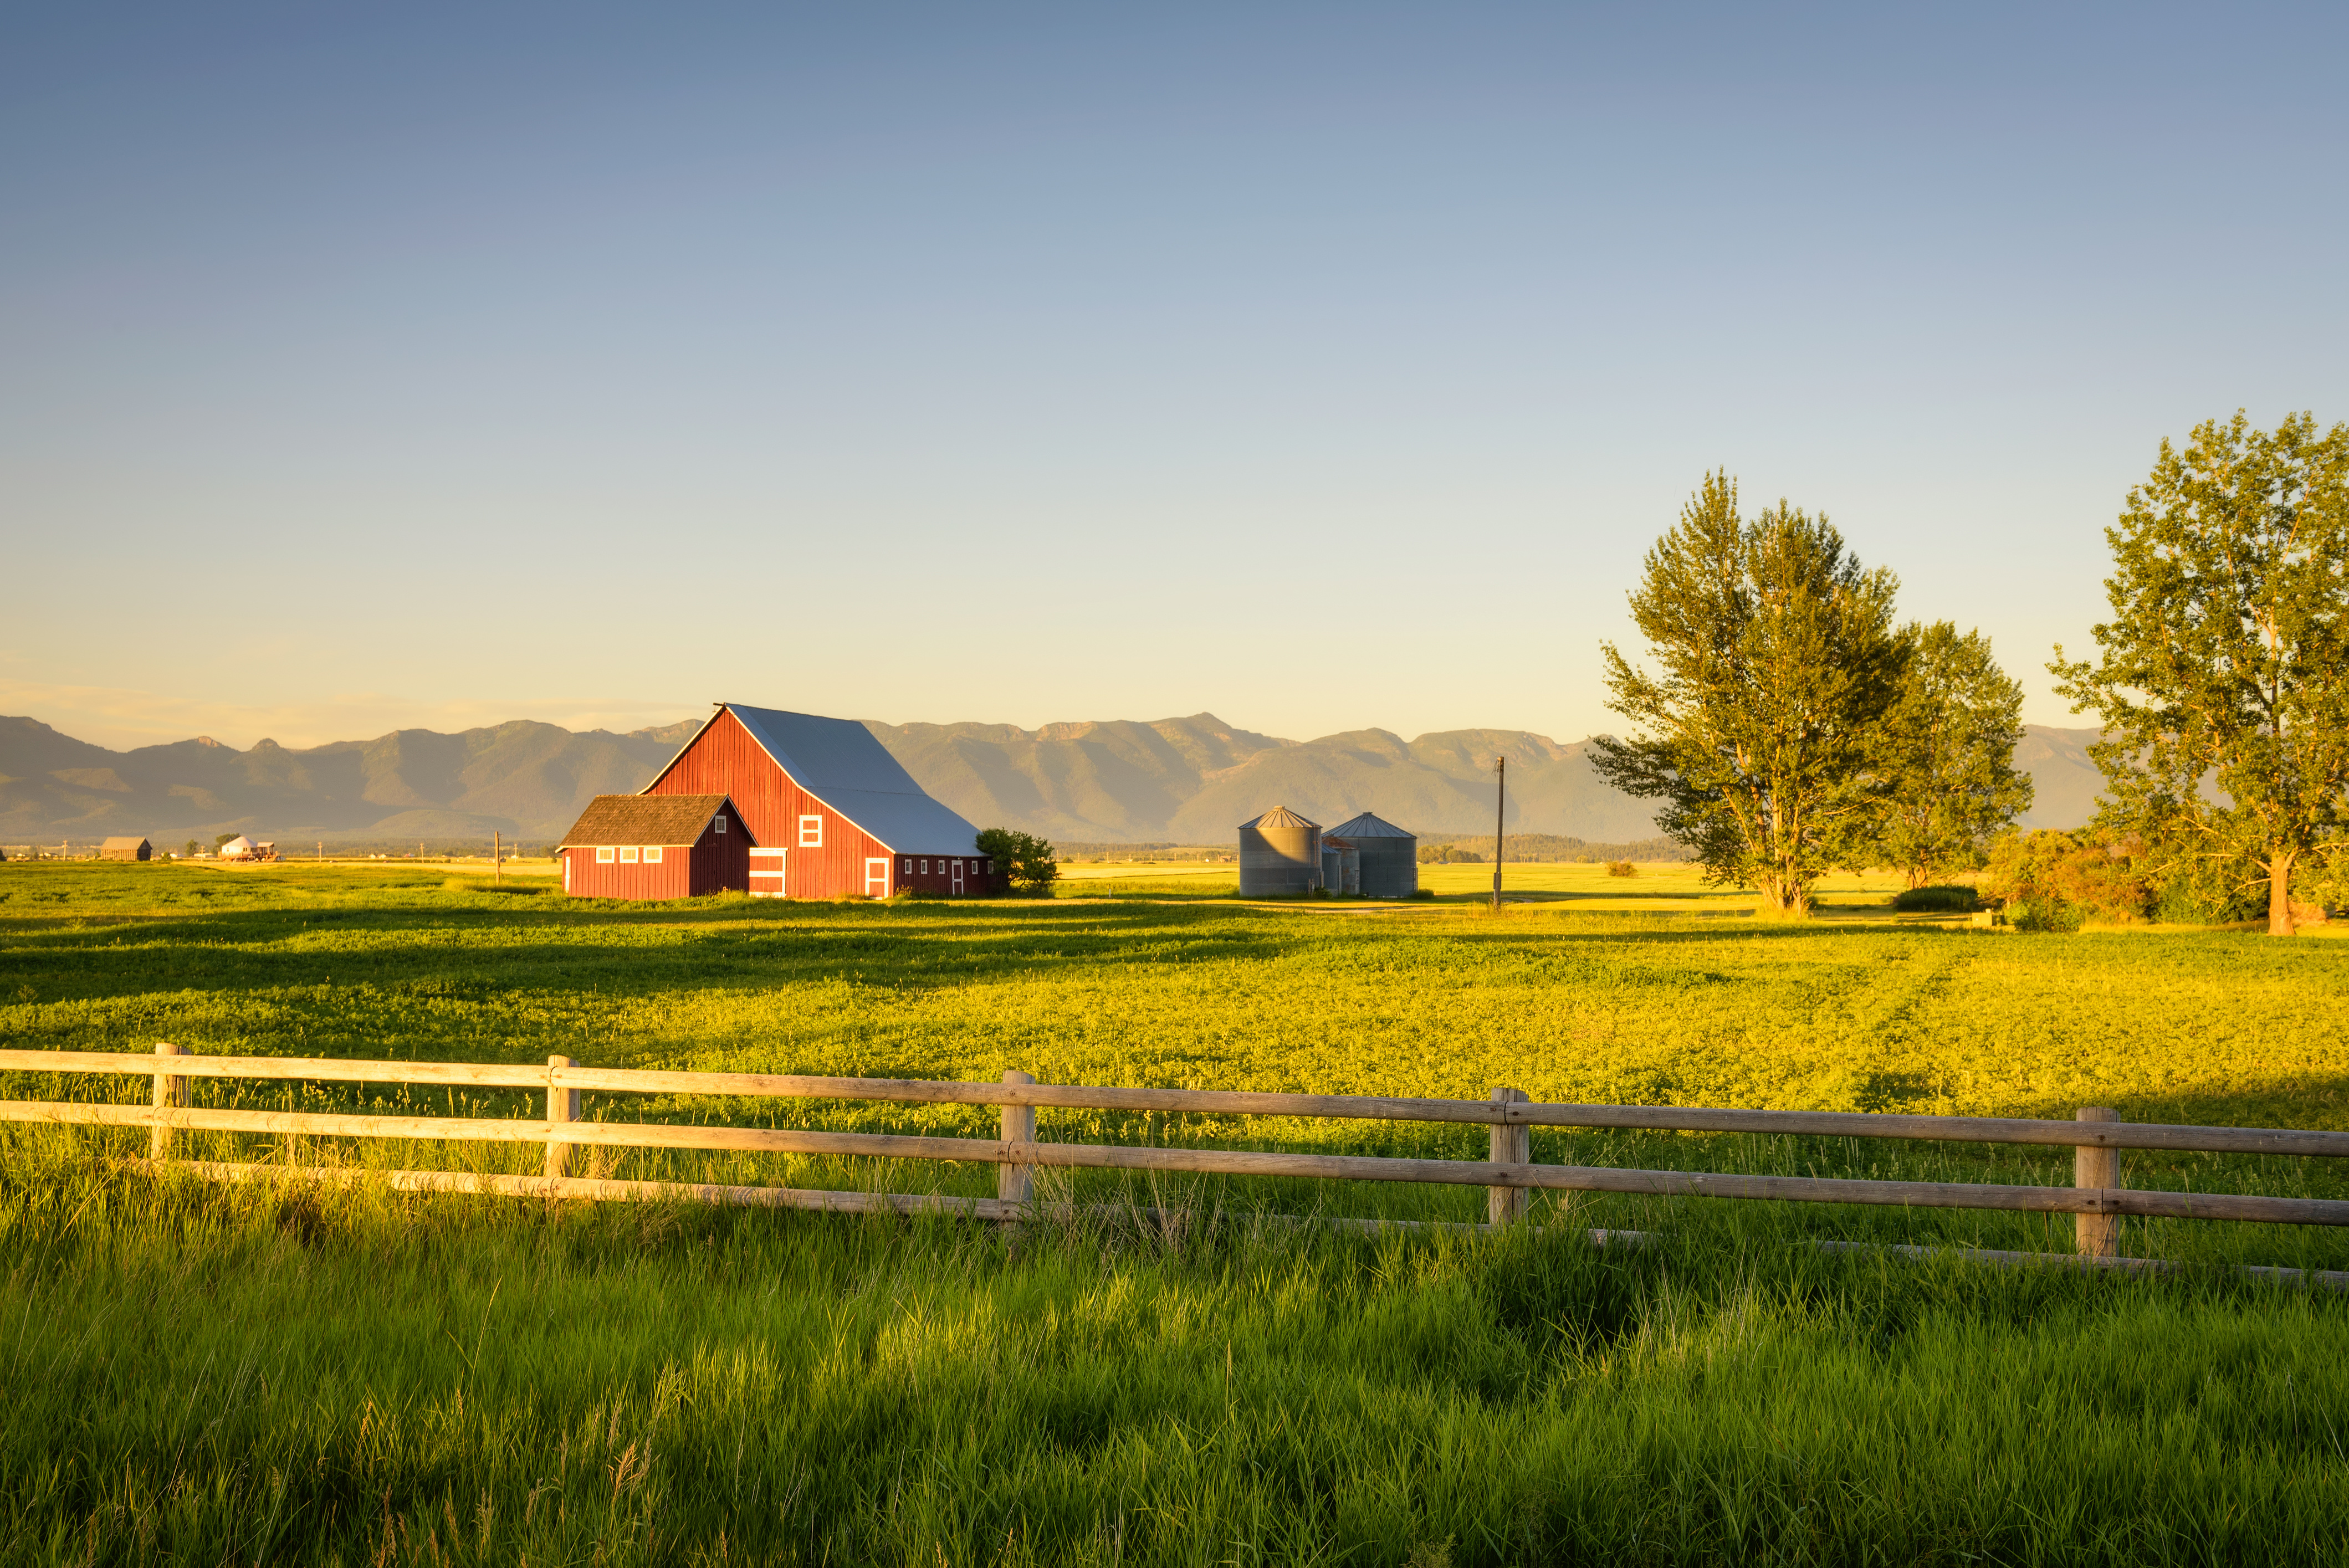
(656, 846)
(834, 812)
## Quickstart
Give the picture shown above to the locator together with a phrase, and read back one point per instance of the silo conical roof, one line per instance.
(1369, 827)
(1281, 817)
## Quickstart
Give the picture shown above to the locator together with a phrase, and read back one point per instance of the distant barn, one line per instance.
(656, 846)
(834, 814)
(126, 849)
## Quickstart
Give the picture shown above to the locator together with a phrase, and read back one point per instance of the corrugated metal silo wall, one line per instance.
(1350, 861)
(1280, 859)
(1390, 867)
(1333, 867)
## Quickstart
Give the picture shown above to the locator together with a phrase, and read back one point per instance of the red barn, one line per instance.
(660, 846)
(834, 812)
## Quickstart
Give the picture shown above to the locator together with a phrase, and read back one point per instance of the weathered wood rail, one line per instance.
(1509, 1174)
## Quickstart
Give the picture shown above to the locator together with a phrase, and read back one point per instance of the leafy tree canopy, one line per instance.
(2223, 676)
(1948, 752)
(1778, 660)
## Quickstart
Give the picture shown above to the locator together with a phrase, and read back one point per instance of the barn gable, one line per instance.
(839, 763)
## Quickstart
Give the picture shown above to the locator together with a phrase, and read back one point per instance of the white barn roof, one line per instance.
(839, 761)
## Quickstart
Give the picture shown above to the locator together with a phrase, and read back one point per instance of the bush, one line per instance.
(2103, 879)
(1621, 869)
(2054, 914)
(2207, 895)
(1946, 898)
(1025, 859)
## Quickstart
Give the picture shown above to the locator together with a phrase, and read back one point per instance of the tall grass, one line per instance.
(197, 1373)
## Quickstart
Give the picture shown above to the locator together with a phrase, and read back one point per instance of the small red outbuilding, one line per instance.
(656, 846)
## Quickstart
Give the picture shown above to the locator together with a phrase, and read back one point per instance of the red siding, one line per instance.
(673, 878)
(933, 874)
(725, 760)
(716, 863)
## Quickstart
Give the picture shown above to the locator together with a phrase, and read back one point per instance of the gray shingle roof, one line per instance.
(839, 761)
(651, 820)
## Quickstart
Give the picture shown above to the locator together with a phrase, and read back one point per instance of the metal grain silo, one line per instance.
(1389, 857)
(1341, 865)
(1280, 852)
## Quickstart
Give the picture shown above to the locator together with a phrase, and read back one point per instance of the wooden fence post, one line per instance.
(562, 1105)
(1017, 1183)
(171, 1093)
(2097, 1235)
(1512, 1144)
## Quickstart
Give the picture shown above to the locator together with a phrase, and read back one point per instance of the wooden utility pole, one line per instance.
(1500, 821)
(497, 857)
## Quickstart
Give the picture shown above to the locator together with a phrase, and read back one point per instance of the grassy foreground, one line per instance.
(193, 1373)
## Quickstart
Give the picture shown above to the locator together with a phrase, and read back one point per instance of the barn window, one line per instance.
(909, 868)
(811, 832)
(628, 855)
(722, 821)
(926, 868)
(603, 854)
(652, 854)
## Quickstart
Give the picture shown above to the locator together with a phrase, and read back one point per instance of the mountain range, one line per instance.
(1180, 781)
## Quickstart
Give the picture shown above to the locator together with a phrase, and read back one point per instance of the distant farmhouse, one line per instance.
(825, 811)
(126, 849)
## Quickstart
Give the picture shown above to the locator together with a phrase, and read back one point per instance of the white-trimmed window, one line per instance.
(811, 832)
(722, 821)
(909, 868)
(604, 854)
(926, 868)
(652, 854)
(628, 855)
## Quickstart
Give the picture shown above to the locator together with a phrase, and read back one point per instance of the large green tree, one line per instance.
(2223, 681)
(1776, 661)
(1946, 750)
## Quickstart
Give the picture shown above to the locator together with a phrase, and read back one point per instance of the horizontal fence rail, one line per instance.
(1227, 1102)
(2097, 1196)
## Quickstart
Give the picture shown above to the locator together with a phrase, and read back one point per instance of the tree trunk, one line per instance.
(2280, 894)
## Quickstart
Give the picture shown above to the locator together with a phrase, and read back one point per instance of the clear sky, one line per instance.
(1323, 368)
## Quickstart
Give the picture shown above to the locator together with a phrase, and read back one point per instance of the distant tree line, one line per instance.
(1546, 849)
(1790, 725)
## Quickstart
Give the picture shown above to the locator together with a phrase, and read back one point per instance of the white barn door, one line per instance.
(767, 879)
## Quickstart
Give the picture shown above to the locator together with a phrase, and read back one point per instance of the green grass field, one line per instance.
(255, 1374)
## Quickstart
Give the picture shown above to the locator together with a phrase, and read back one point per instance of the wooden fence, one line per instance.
(1508, 1175)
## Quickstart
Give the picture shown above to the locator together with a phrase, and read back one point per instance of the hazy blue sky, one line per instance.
(1321, 366)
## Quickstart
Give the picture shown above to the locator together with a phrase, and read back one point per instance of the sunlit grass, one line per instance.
(200, 1373)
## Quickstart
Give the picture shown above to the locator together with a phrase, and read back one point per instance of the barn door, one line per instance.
(957, 875)
(767, 879)
(877, 877)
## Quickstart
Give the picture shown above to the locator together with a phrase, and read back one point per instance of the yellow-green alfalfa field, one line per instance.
(279, 1372)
